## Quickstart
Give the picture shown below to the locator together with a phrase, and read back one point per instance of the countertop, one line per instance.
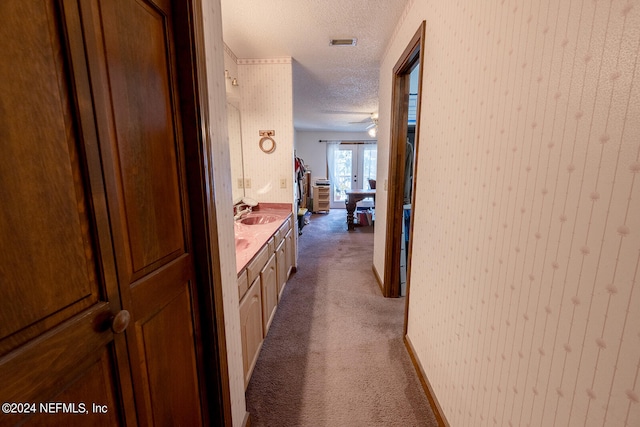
(251, 238)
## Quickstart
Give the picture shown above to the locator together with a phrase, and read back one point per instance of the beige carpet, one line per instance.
(334, 355)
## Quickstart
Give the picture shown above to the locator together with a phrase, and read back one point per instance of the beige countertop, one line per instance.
(251, 238)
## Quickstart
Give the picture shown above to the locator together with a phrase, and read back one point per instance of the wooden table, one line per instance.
(353, 197)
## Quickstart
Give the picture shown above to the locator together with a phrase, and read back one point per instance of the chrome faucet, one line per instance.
(238, 212)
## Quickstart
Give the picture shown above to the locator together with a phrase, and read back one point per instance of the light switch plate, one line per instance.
(247, 183)
(240, 183)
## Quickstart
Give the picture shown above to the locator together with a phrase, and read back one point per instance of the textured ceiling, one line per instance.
(332, 85)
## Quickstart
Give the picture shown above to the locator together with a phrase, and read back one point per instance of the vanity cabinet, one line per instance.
(260, 287)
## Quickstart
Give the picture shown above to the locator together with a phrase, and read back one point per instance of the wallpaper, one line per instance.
(221, 175)
(524, 304)
(266, 94)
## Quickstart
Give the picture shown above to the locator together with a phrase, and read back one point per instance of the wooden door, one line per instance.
(142, 151)
(95, 216)
(57, 274)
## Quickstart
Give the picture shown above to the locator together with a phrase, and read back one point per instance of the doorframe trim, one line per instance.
(413, 53)
(194, 108)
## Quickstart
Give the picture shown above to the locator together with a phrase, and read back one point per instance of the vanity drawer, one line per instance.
(258, 262)
(282, 231)
(287, 225)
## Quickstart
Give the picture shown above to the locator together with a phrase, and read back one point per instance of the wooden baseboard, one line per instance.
(375, 273)
(433, 402)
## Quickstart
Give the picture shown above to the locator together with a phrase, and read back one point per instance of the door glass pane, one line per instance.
(370, 162)
(343, 161)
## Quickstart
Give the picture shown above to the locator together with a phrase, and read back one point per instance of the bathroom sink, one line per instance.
(242, 244)
(259, 219)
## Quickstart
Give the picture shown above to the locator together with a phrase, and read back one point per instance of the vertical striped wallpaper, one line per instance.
(266, 93)
(524, 305)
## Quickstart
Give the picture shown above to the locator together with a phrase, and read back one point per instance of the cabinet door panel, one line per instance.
(281, 265)
(44, 228)
(143, 151)
(269, 282)
(289, 248)
(165, 341)
(251, 328)
(94, 389)
(58, 291)
(145, 133)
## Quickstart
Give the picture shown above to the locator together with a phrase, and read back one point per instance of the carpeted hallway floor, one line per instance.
(334, 355)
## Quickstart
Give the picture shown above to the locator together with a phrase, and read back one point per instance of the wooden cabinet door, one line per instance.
(289, 249)
(269, 282)
(95, 217)
(58, 288)
(137, 103)
(251, 328)
(281, 266)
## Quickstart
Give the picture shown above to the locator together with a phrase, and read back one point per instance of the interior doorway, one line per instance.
(403, 157)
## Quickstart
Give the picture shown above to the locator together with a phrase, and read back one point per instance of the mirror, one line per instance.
(235, 151)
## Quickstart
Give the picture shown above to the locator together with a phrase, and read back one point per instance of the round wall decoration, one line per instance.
(267, 144)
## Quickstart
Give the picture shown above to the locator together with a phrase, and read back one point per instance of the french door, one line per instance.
(354, 166)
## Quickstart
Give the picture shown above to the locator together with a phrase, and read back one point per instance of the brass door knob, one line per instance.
(120, 321)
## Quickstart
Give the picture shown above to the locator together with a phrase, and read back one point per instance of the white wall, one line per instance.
(524, 305)
(221, 174)
(314, 153)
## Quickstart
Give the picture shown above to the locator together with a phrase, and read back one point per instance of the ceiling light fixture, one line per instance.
(343, 42)
(372, 129)
(234, 80)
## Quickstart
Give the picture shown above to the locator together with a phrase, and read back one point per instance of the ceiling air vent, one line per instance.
(343, 42)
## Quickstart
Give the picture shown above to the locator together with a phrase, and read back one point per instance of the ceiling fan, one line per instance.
(372, 128)
(371, 119)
